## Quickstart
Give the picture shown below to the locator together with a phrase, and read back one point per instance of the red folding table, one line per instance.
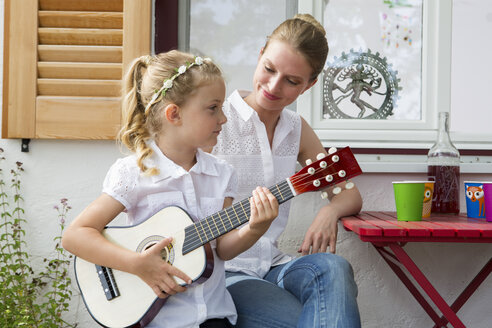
(389, 236)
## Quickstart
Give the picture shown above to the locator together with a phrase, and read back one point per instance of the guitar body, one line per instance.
(136, 303)
(119, 299)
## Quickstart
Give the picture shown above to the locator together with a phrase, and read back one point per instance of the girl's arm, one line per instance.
(323, 231)
(264, 209)
(83, 238)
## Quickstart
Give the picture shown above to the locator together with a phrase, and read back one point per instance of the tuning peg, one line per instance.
(309, 162)
(349, 185)
(335, 158)
(323, 164)
(324, 195)
(337, 190)
(332, 150)
(341, 173)
(320, 156)
(316, 183)
(311, 170)
(329, 178)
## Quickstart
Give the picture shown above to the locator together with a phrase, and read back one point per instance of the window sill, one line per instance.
(374, 163)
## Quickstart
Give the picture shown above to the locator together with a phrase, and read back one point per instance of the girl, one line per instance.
(172, 107)
(264, 142)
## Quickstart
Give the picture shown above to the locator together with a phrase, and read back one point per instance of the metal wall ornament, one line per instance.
(359, 85)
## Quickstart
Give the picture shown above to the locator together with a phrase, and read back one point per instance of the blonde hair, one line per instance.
(305, 34)
(145, 76)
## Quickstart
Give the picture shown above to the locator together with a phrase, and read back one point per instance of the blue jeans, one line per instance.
(316, 290)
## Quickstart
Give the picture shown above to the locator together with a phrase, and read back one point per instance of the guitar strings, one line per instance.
(195, 240)
(194, 235)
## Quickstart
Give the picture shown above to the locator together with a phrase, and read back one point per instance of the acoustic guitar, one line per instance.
(119, 299)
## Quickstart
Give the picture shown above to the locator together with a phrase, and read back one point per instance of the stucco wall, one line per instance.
(75, 169)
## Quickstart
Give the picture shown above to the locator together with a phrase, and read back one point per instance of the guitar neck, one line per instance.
(220, 223)
(326, 171)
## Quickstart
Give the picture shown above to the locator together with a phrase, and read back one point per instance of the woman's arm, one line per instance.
(323, 231)
(83, 238)
(264, 209)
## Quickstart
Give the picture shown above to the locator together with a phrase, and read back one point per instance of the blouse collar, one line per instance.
(242, 107)
(284, 125)
(168, 169)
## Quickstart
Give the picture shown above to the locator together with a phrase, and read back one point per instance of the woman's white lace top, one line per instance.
(243, 143)
(201, 192)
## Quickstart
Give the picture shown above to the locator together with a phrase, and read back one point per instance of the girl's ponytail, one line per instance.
(134, 132)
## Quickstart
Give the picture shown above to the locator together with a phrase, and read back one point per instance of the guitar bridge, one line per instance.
(107, 281)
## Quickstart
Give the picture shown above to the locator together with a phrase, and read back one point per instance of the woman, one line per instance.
(264, 142)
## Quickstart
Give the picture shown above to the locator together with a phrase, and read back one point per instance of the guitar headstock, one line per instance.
(337, 166)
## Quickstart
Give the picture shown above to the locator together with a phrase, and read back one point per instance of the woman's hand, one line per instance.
(324, 229)
(321, 233)
(157, 273)
(264, 209)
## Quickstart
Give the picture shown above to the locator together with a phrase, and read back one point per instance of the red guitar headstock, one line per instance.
(336, 167)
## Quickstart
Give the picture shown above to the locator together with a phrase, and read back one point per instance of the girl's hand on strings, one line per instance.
(159, 274)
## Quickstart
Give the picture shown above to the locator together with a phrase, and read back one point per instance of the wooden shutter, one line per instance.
(63, 65)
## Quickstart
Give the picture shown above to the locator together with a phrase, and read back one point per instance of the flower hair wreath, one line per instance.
(168, 84)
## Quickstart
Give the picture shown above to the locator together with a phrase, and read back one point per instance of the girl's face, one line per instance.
(202, 115)
(282, 74)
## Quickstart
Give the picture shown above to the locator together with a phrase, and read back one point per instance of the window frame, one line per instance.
(393, 150)
(436, 44)
(404, 149)
(435, 96)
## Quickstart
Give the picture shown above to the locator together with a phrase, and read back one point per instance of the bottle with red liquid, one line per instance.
(443, 167)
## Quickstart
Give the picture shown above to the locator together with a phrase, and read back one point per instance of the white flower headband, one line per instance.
(168, 84)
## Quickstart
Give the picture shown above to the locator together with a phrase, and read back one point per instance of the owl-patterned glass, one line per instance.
(428, 193)
(487, 200)
(475, 206)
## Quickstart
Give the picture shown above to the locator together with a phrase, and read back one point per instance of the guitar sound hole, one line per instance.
(164, 251)
(167, 252)
(149, 246)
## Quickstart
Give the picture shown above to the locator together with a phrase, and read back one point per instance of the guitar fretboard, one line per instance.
(217, 224)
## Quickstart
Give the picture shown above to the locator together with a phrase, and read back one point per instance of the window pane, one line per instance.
(232, 33)
(470, 84)
(385, 38)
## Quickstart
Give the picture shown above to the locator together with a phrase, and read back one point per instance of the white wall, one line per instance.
(75, 169)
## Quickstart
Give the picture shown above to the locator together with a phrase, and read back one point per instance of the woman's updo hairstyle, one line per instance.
(305, 34)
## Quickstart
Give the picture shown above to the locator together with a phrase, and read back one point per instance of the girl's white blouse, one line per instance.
(244, 143)
(201, 192)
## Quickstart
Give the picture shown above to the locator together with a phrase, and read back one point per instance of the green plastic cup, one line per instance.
(409, 199)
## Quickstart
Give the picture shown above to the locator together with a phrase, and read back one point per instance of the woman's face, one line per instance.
(282, 74)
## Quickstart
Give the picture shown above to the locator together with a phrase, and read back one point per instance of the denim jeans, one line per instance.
(316, 290)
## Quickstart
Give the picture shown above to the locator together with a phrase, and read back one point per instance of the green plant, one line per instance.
(56, 273)
(27, 298)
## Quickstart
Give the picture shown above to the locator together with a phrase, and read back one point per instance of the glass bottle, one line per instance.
(443, 167)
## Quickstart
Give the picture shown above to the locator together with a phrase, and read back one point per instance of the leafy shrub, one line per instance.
(29, 298)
